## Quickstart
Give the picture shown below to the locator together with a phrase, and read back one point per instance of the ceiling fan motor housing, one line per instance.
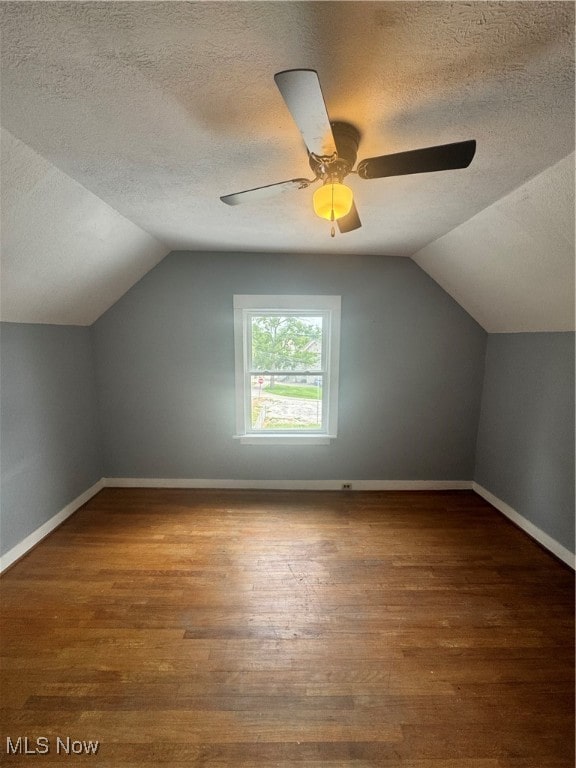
(346, 138)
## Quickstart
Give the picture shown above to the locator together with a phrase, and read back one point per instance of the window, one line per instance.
(287, 353)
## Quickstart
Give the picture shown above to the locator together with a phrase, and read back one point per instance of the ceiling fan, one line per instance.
(332, 149)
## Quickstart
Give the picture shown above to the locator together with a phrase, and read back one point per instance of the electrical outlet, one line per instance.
(346, 486)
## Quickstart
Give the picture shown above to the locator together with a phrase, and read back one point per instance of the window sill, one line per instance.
(285, 439)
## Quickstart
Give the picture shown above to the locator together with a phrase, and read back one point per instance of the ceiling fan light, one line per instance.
(332, 201)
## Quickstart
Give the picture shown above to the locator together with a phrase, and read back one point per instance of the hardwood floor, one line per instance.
(239, 628)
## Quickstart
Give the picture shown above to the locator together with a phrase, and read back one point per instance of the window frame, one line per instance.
(328, 307)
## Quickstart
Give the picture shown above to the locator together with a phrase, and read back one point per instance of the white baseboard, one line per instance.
(532, 530)
(290, 485)
(34, 538)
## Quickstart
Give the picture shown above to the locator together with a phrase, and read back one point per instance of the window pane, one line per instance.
(286, 402)
(286, 342)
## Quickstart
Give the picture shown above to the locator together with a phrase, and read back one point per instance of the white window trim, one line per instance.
(243, 305)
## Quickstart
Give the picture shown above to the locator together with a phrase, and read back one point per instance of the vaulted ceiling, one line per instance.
(124, 123)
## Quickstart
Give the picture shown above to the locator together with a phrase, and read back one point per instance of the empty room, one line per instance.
(287, 384)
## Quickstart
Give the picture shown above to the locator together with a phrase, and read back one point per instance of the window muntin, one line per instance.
(287, 366)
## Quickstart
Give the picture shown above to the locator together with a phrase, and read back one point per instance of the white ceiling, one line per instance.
(143, 114)
(517, 273)
(66, 255)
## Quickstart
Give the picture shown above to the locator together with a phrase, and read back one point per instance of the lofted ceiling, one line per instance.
(124, 123)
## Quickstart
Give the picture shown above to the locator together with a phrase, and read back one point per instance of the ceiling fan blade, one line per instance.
(441, 158)
(300, 89)
(261, 193)
(350, 221)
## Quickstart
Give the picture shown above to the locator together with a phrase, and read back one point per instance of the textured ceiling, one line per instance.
(157, 109)
(66, 255)
(518, 270)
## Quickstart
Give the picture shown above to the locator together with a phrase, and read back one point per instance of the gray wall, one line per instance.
(49, 444)
(412, 378)
(411, 372)
(525, 453)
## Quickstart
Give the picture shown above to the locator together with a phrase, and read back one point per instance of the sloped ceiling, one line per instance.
(143, 114)
(512, 265)
(66, 255)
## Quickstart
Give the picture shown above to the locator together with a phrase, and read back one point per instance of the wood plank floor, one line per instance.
(244, 628)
